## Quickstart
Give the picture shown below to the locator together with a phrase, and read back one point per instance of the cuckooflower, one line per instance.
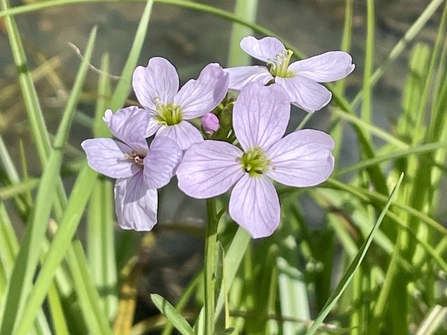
(300, 79)
(157, 89)
(260, 117)
(139, 170)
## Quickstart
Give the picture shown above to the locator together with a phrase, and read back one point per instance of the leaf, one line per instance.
(344, 282)
(172, 314)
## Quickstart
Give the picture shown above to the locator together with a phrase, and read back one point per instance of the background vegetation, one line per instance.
(374, 264)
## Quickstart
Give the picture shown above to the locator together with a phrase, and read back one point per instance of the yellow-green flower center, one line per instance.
(169, 115)
(254, 162)
(278, 66)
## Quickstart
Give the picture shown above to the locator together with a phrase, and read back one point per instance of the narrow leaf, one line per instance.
(172, 315)
(344, 282)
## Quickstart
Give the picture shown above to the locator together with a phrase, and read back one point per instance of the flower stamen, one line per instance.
(136, 158)
(254, 162)
(278, 66)
(169, 115)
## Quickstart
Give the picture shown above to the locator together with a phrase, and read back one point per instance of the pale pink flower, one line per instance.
(260, 117)
(139, 170)
(300, 79)
(157, 89)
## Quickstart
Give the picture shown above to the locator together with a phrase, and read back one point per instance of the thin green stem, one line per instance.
(366, 113)
(210, 265)
(304, 121)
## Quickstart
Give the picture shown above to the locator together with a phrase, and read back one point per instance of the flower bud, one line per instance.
(210, 123)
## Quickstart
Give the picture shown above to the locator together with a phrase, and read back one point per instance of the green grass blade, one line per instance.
(125, 81)
(186, 296)
(12, 178)
(233, 259)
(244, 9)
(344, 282)
(32, 104)
(434, 319)
(100, 219)
(17, 189)
(100, 128)
(41, 325)
(9, 246)
(357, 122)
(417, 150)
(369, 63)
(7, 163)
(428, 87)
(100, 243)
(86, 292)
(27, 259)
(422, 183)
(376, 175)
(400, 46)
(380, 200)
(346, 40)
(57, 314)
(291, 286)
(31, 100)
(339, 86)
(172, 315)
(61, 242)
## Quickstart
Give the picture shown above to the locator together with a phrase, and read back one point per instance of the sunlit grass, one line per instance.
(349, 275)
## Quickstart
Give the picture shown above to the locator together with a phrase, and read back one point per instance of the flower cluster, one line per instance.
(242, 143)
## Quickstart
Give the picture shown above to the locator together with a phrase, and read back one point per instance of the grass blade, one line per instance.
(244, 9)
(61, 242)
(100, 219)
(172, 315)
(27, 259)
(32, 105)
(125, 82)
(353, 266)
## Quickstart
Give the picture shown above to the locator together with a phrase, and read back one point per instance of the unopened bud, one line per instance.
(210, 123)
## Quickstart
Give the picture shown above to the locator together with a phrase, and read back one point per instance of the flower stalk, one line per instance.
(210, 265)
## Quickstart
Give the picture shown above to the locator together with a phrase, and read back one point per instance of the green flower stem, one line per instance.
(210, 265)
(304, 121)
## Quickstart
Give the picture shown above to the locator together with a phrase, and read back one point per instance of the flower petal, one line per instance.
(330, 66)
(254, 205)
(129, 125)
(135, 204)
(305, 93)
(184, 134)
(107, 157)
(158, 82)
(242, 75)
(260, 115)
(198, 97)
(302, 158)
(209, 169)
(159, 164)
(264, 49)
(152, 127)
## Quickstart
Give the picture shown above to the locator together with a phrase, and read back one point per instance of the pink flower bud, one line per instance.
(210, 123)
